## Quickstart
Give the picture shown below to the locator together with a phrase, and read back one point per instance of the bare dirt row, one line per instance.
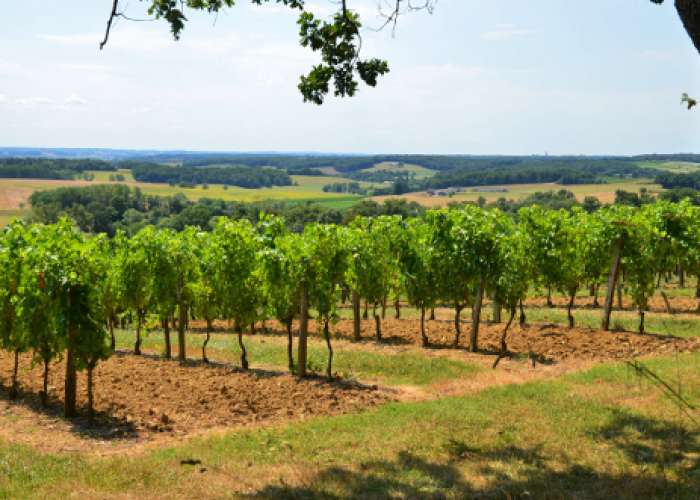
(145, 399)
(140, 397)
(546, 342)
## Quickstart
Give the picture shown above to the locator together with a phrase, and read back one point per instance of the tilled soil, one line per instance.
(145, 399)
(140, 396)
(656, 303)
(542, 342)
(545, 342)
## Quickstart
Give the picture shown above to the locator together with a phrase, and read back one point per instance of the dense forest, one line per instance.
(353, 163)
(246, 177)
(37, 168)
(670, 180)
(527, 172)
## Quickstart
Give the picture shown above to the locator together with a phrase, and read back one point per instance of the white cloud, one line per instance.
(33, 101)
(2, 98)
(75, 100)
(505, 32)
(142, 110)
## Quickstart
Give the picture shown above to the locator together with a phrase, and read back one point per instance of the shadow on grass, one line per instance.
(654, 443)
(663, 456)
(409, 476)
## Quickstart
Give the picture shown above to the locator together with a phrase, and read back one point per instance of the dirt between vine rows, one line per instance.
(656, 303)
(144, 400)
(141, 398)
(545, 343)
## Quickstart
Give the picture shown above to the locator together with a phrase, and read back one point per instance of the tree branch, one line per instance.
(113, 14)
(689, 12)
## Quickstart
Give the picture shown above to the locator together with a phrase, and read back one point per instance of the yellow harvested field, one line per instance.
(604, 192)
(15, 193)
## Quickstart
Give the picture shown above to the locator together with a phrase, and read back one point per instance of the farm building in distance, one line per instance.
(445, 192)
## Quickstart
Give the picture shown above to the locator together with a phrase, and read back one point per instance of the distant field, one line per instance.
(421, 172)
(308, 188)
(15, 193)
(104, 176)
(604, 192)
(678, 167)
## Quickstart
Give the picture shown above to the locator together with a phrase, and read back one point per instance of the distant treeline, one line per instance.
(353, 163)
(683, 157)
(37, 168)
(187, 175)
(290, 163)
(573, 171)
(106, 208)
(670, 180)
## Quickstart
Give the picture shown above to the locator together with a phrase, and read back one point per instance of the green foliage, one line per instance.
(237, 276)
(323, 262)
(59, 286)
(372, 260)
(339, 45)
(554, 245)
(42, 168)
(421, 279)
(337, 41)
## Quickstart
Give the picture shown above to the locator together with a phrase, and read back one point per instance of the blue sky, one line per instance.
(477, 76)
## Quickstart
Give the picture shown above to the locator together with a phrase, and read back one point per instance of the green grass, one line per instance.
(102, 176)
(680, 325)
(555, 439)
(412, 367)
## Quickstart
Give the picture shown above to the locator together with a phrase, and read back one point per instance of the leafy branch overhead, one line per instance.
(338, 40)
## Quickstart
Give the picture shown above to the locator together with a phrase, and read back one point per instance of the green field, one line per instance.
(677, 167)
(420, 172)
(307, 188)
